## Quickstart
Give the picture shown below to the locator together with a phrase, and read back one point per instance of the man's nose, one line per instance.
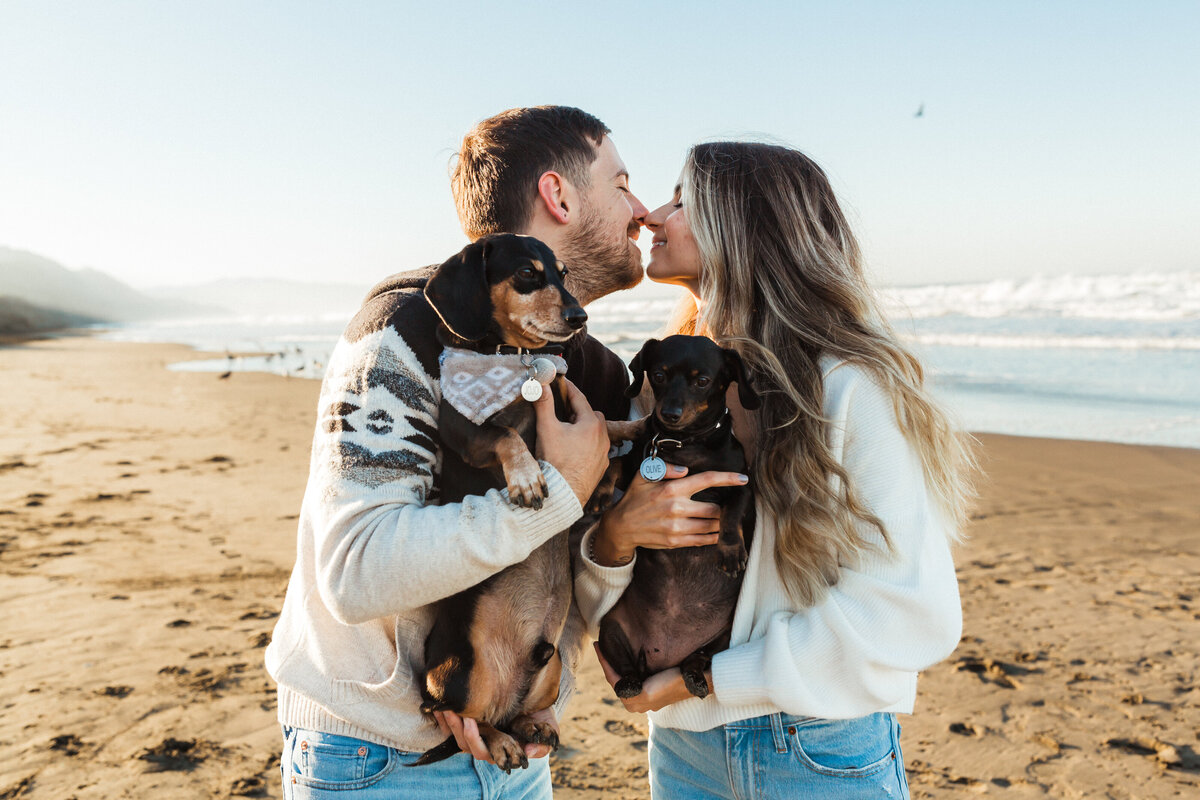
(640, 212)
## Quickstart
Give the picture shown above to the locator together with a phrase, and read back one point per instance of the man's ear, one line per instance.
(746, 394)
(458, 292)
(553, 196)
(635, 366)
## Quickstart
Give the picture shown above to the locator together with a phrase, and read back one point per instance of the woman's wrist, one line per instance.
(603, 550)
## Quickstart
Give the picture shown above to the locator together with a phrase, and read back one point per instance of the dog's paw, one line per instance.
(694, 681)
(528, 731)
(598, 503)
(628, 687)
(731, 559)
(527, 485)
(506, 751)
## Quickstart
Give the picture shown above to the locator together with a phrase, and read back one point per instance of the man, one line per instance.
(375, 551)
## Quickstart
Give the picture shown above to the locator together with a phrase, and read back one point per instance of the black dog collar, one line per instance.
(510, 350)
(661, 441)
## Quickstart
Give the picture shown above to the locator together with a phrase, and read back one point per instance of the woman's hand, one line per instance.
(658, 691)
(466, 732)
(661, 515)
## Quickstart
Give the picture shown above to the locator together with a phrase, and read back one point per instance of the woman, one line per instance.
(859, 478)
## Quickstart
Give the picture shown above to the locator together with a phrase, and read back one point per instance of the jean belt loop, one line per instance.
(781, 745)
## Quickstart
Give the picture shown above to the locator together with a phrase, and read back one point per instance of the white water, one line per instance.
(1111, 357)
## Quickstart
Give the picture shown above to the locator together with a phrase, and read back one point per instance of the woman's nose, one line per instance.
(654, 219)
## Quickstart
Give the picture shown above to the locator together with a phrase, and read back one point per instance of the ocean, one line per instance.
(1113, 357)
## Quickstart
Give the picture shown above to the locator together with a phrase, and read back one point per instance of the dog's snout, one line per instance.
(671, 414)
(574, 316)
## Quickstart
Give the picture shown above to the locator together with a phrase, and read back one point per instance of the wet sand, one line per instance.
(147, 523)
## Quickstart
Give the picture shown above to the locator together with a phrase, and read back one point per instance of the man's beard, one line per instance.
(595, 266)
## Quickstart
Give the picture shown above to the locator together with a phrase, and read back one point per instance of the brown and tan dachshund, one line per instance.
(492, 654)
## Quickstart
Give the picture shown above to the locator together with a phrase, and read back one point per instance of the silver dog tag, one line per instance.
(531, 390)
(653, 469)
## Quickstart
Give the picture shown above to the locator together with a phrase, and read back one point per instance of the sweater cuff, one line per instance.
(559, 510)
(737, 674)
(597, 588)
(609, 577)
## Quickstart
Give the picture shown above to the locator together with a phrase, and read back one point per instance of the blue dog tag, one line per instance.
(653, 469)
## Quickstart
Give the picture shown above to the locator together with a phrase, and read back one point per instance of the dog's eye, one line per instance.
(658, 376)
(526, 273)
(702, 381)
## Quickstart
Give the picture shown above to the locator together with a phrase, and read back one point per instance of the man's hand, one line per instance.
(661, 515)
(466, 732)
(578, 449)
(658, 691)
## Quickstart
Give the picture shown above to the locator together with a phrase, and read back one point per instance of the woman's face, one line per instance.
(674, 257)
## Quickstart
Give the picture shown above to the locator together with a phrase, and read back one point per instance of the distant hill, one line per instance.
(18, 318)
(90, 293)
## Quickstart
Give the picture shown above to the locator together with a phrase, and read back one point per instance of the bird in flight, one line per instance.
(920, 111)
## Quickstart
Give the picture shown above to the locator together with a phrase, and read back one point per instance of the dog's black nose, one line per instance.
(671, 415)
(574, 316)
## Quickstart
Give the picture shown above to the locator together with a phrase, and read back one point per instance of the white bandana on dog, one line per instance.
(480, 384)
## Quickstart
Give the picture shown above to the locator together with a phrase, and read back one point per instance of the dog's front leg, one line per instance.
(490, 445)
(602, 495)
(522, 473)
(625, 430)
(731, 543)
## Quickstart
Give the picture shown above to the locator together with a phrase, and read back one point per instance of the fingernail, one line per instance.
(744, 478)
(677, 470)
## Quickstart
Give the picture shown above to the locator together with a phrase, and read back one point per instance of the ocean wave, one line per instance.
(1018, 341)
(1138, 296)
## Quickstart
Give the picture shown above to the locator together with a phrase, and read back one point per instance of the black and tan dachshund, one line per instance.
(678, 609)
(492, 654)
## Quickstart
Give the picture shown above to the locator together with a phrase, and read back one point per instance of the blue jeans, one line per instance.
(780, 756)
(323, 765)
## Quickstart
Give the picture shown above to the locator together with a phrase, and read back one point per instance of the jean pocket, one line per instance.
(330, 762)
(848, 748)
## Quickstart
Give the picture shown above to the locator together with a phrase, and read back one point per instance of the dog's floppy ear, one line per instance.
(458, 292)
(746, 394)
(639, 372)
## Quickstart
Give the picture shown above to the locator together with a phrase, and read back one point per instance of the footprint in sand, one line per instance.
(67, 743)
(177, 755)
(1169, 755)
(992, 671)
(621, 728)
(252, 786)
(967, 729)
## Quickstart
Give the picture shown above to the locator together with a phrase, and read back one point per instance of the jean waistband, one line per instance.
(769, 721)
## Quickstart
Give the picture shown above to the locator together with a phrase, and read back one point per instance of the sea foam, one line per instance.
(1137, 296)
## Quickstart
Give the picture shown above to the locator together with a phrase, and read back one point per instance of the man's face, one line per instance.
(600, 248)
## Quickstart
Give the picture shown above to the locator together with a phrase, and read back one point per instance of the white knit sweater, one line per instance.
(373, 550)
(858, 650)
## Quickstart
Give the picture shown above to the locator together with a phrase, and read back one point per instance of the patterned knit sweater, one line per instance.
(375, 548)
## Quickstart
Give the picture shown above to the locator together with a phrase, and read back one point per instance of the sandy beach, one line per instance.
(147, 524)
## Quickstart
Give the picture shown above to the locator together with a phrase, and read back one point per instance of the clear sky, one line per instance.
(173, 142)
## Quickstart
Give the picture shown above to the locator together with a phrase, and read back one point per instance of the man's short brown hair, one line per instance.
(501, 159)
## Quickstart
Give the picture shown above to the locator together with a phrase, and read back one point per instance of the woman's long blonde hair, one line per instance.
(782, 283)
